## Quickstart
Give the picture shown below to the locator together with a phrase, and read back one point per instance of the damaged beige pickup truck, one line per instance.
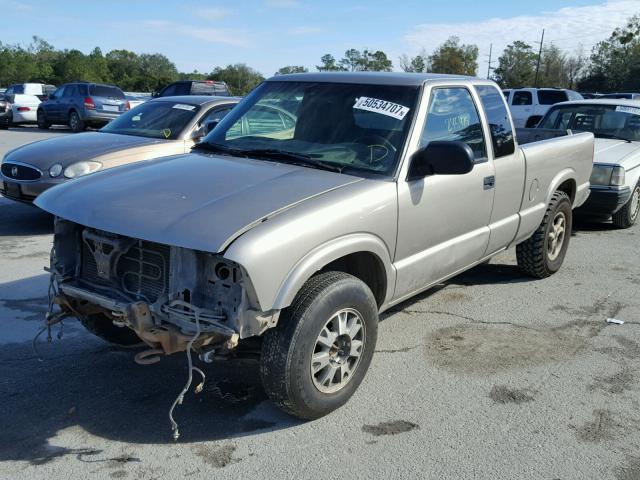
(318, 202)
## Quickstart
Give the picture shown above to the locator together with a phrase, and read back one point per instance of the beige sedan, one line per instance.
(157, 128)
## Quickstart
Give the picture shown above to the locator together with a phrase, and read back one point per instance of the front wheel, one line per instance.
(628, 214)
(543, 253)
(313, 361)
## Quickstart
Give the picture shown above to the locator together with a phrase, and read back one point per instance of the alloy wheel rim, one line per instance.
(556, 236)
(338, 350)
(73, 122)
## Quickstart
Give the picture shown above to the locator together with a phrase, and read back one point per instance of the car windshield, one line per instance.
(353, 128)
(605, 121)
(159, 119)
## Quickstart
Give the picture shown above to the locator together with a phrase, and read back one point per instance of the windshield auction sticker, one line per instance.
(632, 110)
(182, 106)
(376, 105)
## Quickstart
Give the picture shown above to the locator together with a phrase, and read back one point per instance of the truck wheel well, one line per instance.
(568, 187)
(367, 267)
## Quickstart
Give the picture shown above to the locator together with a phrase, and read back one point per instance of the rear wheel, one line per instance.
(8, 123)
(102, 326)
(315, 358)
(543, 253)
(75, 122)
(42, 120)
(628, 214)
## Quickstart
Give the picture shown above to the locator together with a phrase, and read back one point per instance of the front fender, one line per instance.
(276, 291)
(329, 252)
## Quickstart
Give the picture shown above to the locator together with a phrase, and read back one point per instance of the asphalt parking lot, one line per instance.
(489, 376)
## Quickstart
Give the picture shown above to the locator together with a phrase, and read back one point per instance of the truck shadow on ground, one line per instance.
(87, 384)
(18, 219)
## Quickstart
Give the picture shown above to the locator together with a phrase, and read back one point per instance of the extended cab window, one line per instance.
(522, 98)
(498, 118)
(453, 116)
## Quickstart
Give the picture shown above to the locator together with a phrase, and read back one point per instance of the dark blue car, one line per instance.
(81, 105)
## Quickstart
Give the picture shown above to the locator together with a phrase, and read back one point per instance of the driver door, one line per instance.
(443, 223)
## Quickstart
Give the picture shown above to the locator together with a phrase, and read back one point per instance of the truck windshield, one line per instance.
(344, 127)
(604, 121)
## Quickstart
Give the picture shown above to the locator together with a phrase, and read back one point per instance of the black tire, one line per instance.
(9, 122)
(534, 257)
(102, 326)
(285, 364)
(42, 120)
(75, 122)
(628, 214)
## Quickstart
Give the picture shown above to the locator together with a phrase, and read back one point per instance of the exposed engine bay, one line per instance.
(165, 294)
(174, 299)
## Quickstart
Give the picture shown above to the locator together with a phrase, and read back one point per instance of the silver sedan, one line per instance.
(157, 128)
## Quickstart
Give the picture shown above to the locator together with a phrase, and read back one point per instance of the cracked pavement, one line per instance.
(490, 375)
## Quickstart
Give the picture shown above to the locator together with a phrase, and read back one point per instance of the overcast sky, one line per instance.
(268, 34)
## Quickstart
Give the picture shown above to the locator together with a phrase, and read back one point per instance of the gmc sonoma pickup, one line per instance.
(318, 202)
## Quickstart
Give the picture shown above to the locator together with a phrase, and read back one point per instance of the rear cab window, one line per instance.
(499, 120)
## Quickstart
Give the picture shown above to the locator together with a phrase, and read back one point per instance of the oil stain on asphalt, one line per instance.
(503, 394)
(390, 428)
(602, 427)
(486, 348)
(218, 456)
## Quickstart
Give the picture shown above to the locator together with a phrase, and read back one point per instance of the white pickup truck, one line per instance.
(24, 99)
(318, 202)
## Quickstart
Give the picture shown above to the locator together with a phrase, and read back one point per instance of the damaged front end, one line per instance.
(173, 298)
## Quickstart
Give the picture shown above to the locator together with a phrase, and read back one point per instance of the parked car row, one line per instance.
(314, 204)
(83, 104)
(529, 105)
(21, 103)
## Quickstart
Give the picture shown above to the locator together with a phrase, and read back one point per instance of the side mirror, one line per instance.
(441, 158)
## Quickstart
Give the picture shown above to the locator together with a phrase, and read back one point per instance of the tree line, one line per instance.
(613, 65)
(42, 62)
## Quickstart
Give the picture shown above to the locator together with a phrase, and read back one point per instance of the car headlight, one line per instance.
(55, 170)
(601, 175)
(81, 168)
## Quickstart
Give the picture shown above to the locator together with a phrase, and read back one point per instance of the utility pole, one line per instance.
(535, 83)
(489, 67)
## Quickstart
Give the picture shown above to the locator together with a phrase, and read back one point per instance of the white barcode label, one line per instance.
(383, 107)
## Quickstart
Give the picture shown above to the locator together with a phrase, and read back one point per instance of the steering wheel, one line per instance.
(373, 142)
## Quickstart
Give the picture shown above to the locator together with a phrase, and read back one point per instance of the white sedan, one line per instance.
(24, 99)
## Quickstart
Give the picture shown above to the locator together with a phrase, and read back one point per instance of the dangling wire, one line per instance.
(179, 399)
(50, 318)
